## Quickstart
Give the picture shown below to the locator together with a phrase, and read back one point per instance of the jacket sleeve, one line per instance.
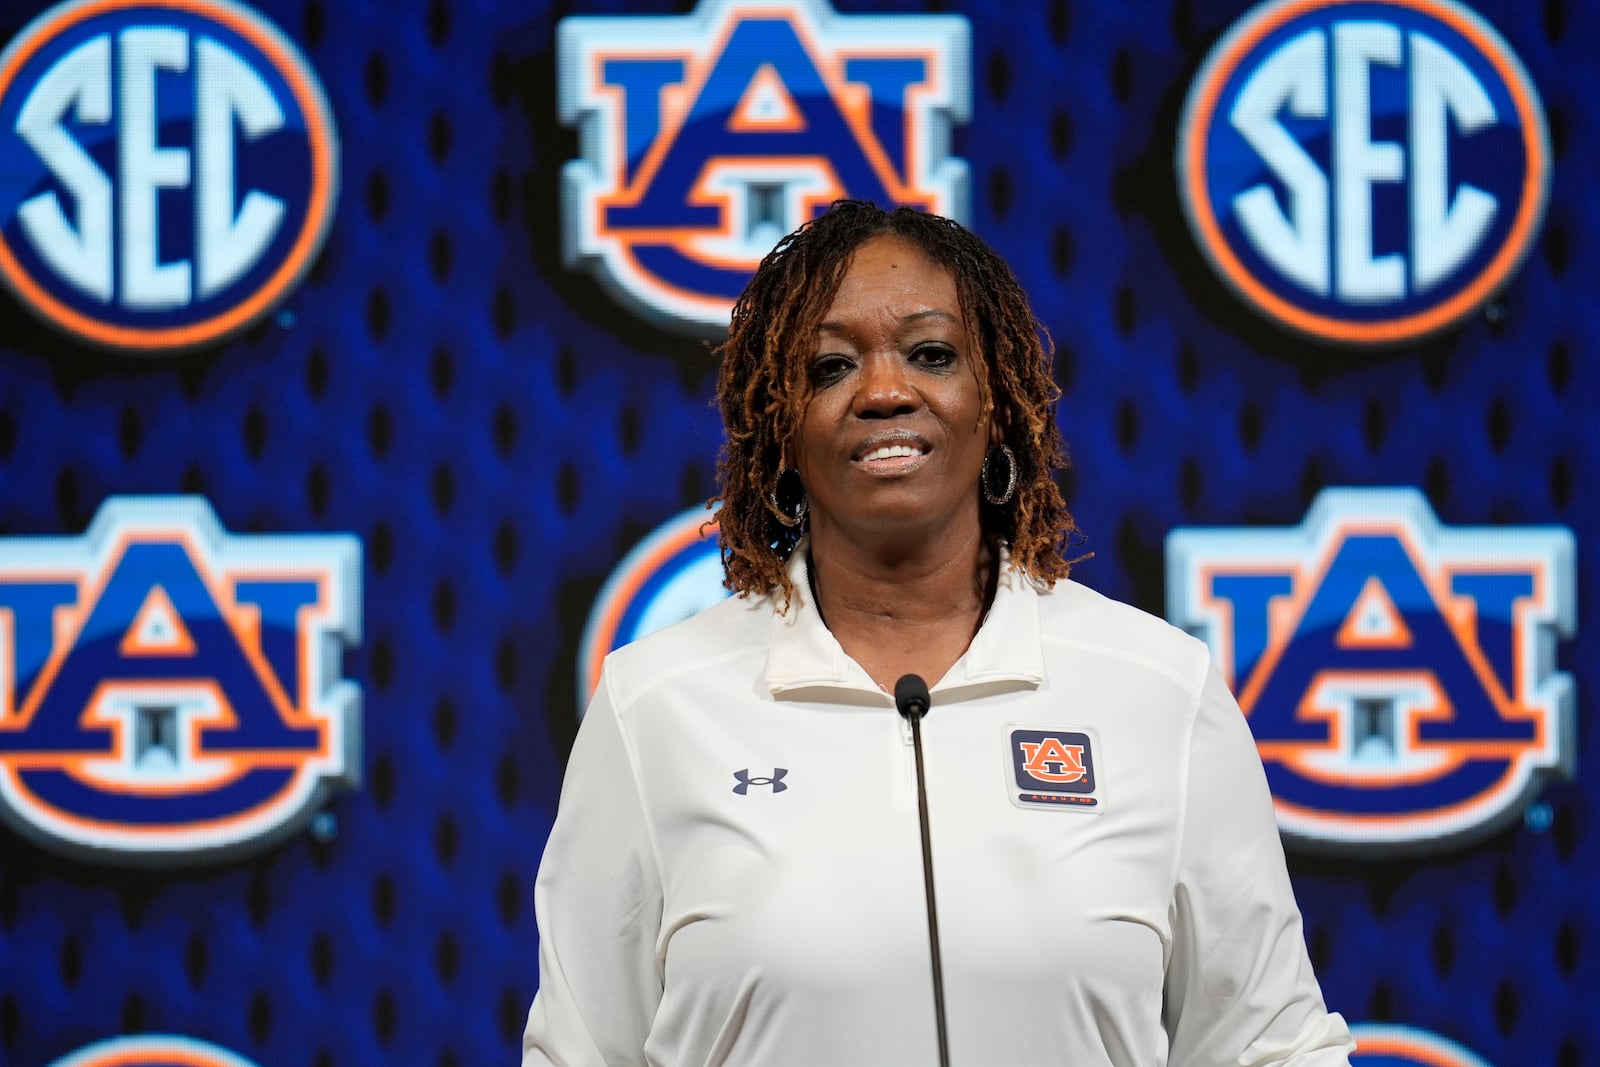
(1239, 987)
(598, 905)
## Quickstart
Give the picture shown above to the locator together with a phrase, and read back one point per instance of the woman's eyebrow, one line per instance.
(915, 316)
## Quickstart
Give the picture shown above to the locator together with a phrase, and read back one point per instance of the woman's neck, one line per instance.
(896, 611)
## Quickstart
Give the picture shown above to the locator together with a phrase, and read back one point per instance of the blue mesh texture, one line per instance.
(499, 432)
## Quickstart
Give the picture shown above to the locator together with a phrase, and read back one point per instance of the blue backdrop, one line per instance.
(498, 431)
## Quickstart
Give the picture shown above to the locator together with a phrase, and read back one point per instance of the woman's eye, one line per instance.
(827, 369)
(934, 355)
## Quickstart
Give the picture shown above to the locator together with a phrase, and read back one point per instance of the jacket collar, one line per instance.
(803, 655)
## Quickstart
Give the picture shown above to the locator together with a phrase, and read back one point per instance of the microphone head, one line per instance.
(911, 696)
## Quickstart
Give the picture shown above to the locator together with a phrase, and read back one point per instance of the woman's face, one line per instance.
(893, 436)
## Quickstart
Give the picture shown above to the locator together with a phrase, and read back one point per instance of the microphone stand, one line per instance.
(912, 700)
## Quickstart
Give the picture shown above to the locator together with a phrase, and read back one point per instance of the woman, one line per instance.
(735, 875)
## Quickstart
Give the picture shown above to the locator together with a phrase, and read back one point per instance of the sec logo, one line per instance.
(1387, 1045)
(1399, 677)
(1366, 172)
(707, 137)
(673, 573)
(168, 170)
(152, 1050)
(170, 693)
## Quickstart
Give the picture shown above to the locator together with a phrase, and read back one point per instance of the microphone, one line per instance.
(911, 700)
(911, 697)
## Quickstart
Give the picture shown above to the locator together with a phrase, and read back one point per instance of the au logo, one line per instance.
(1052, 768)
(170, 692)
(706, 137)
(1388, 1045)
(1365, 173)
(1052, 761)
(1398, 675)
(168, 170)
(152, 1050)
(673, 573)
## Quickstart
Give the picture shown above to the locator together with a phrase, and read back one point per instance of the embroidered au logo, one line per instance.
(1052, 768)
(172, 692)
(1050, 760)
(1399, 676)
(708, 136)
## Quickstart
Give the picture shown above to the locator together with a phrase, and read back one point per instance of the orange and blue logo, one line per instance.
(168, 170)
(152, 1050)
(170, 692)
(1399, 676)
(1052, 768)
(1366, 172)
(708, 136)
(675, 572)
(1389, 1045)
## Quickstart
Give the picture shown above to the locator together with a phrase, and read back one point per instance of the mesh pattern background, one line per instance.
(499, 434)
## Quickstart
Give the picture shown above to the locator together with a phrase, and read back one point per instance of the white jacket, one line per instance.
(734, 876)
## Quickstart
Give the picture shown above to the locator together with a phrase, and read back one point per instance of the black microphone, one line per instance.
(912, 700)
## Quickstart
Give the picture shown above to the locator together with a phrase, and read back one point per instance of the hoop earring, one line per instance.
(801, 507)
(986, 477)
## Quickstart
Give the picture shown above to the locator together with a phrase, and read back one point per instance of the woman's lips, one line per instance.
(893, 457)
(891, 452)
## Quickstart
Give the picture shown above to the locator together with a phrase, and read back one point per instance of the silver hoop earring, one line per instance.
(801, 504)
(987, 476)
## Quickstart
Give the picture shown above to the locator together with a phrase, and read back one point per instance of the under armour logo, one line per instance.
(745, 781)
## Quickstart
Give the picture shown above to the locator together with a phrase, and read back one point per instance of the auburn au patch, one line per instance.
(1053, 768)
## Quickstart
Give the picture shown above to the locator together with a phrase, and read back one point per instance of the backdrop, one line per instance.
(497, 425)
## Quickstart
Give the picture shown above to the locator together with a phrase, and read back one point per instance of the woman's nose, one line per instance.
(884, 389)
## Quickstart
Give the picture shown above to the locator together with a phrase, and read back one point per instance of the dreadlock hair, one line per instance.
(764, 385)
